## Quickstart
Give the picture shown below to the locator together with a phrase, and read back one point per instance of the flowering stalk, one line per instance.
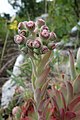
(39, 50)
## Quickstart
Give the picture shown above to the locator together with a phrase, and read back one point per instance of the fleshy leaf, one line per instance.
(70, 115)
(59, 98)
(73, 103)
(43, 62)
(73, 72)
(78, 59)
(62, 113)
(42, 78)
(69, 91)
(76, 85)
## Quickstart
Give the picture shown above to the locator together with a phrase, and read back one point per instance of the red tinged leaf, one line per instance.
(62, 113)
(72, 68)
(69, 91)
(42, 78)
(76, 85)
(70, 115)
(73, 103)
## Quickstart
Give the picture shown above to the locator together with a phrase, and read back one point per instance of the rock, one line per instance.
(75, 30)
(9, 87)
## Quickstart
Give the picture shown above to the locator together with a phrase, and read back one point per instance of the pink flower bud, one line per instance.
(51, 45)
(44, 49)
(52, 36)
(19, 39)
(22, 32)
(40, 22)
(44, 27)
(30, 25)
(20, 25)
(44, 34)
(29, 43)
(36, 44)
(15, 110)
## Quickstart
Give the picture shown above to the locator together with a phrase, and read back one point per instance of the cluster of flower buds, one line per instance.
(36, 36)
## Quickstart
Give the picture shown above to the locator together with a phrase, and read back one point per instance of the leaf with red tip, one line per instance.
(76, 85)
(73, 103)
(62, 113)
(63, 89)
(59, 98)
(70, 115)
(69, 91)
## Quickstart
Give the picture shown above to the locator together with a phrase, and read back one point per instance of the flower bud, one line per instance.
(52, 36)
(44, 34)
(19, 39)
(29, 43)
(20, 25)
(40, 22)
(23, 32)
(44, 27)
(36, 44)
(44, 49)
(51, 45)
(15, 110)
(30, 25)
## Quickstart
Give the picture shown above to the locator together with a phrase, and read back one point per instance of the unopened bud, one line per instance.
(52, 36)
(20, 25)
(29, 43)
(44, 27)
(44, 49)
(15, 110)
(36, 44)
(23, 32)
(51, 45)
(19, 39)
(40, 22)
(44, 34)
(30, 25)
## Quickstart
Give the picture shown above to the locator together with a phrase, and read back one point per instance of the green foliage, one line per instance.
(63, 16)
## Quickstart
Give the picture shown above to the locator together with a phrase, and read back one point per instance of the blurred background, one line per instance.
(62, 17)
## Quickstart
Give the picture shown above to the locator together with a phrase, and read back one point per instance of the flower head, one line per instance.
(44, 34)
(30, 25)
(51, 45)
(36, 44)
(44, 49)
(29, 43)
(40, 22)
(19, 39)
(44, 27)
(20, 25)
(52, 36)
